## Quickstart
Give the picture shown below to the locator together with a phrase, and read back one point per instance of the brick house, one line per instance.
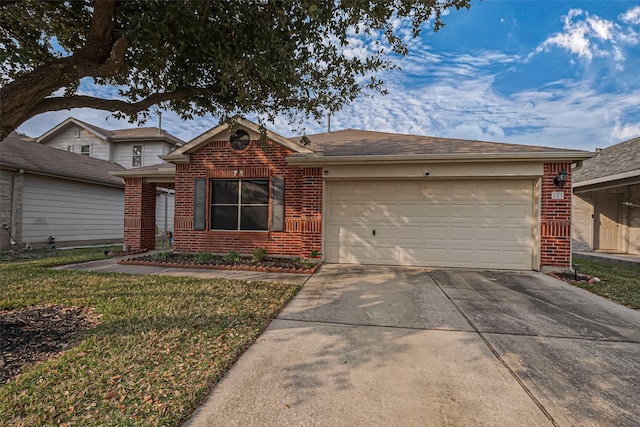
(362, 197)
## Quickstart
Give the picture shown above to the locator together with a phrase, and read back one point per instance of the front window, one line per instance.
(85, 150)
(240, 204)
(137, 156)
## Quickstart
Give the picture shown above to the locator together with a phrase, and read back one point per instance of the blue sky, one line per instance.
(554, 73)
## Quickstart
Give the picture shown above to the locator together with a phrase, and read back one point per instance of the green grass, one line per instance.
(161, 344)
(620, 282)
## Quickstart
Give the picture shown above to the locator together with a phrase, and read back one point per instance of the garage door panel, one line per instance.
(488, 211)
(458, 210)
(464, 223)
(460, 233)
(406, 210)
(435, 211)
(516, 211)
(434, 233)
(337, 210)
(358, 210)
(489, 234)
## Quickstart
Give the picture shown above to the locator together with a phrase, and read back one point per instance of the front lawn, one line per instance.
(161, 343)
(620, 282)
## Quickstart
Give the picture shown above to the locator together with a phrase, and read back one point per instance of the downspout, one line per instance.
(14, 206)
(166, 212)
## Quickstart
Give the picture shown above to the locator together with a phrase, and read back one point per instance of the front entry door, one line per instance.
(607, 227)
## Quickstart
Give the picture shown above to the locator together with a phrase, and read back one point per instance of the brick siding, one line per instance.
(302, 206)
(555, 219)
(302, 200)
(139, 214)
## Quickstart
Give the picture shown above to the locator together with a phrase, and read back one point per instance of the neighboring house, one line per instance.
(47, 192)
(606, 201)
(130, 148)
(363, 197)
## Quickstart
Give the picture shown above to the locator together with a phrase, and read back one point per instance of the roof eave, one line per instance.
(175, 158)
(209, 135)
(168, 173)
(26, 169)
(159, 138)
(608, 178)
(318, 159)
(64, 124)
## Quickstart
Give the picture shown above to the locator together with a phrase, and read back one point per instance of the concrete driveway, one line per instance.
(370, 345)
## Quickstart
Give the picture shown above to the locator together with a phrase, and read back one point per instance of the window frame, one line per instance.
(134, 155)
(88, 147)
(239, 204)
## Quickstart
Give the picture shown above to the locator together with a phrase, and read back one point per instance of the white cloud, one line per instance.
(444, 94)
(601, 28)
(574, 37)
(631, 16)
(590, 36)
(626, 131)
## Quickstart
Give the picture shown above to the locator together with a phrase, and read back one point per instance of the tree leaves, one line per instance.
(223, 57)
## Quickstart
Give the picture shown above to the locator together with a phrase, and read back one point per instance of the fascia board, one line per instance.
(603, 179)
(318, 159)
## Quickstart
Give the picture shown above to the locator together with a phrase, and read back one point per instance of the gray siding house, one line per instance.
(131, 148)
(48, 192)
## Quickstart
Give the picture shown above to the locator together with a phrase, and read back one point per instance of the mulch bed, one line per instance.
(34, 334)
(272, 265)
(572, 278)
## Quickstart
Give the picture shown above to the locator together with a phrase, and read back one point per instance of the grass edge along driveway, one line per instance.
(162, 343)
(620, 282)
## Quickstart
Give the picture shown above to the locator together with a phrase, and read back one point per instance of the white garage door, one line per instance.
(465, 223)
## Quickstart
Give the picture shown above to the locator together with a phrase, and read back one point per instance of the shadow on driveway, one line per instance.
(373, 345)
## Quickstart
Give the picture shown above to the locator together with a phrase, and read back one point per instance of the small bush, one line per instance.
(204, 257)
(259, 254)
(162, 255)
(232, 256)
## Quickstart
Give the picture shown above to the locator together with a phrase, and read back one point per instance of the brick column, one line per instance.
(311, 238)
(139, 214)
(555, 220)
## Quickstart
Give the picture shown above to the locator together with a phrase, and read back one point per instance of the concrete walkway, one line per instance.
(601, 256)
(386, 346)
(111, 265)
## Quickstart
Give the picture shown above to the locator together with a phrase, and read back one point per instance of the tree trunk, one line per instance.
(102, 56)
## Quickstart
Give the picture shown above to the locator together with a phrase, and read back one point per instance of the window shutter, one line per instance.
(199, 199)
(277, 204)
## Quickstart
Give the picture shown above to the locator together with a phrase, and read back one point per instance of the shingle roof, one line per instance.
(118, 135)
(617, 159)
(20, 152)
(352, 142)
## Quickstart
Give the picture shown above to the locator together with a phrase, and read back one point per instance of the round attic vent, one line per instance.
(239, 140)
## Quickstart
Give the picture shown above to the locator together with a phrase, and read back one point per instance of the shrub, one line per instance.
(259, 254)
(163, 255)
(232, 256)
(204, 257)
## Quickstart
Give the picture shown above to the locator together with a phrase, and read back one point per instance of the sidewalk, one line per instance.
(627, 259)
(111, 265)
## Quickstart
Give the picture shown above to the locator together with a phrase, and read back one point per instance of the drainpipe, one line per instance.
(14, 206)
(166, 212)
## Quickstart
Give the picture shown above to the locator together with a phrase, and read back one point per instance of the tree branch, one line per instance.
(102, 56)
(130, 108)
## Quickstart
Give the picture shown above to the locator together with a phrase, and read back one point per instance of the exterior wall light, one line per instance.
(561, 179)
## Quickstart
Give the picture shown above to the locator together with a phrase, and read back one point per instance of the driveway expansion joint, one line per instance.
(497, 355)
(368, 325)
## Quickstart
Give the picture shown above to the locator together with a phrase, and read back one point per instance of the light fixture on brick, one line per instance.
(561, 179)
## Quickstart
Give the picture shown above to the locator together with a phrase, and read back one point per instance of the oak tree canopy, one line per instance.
(224, 57)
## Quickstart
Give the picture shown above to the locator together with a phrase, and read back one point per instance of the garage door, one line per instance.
(465, 223)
